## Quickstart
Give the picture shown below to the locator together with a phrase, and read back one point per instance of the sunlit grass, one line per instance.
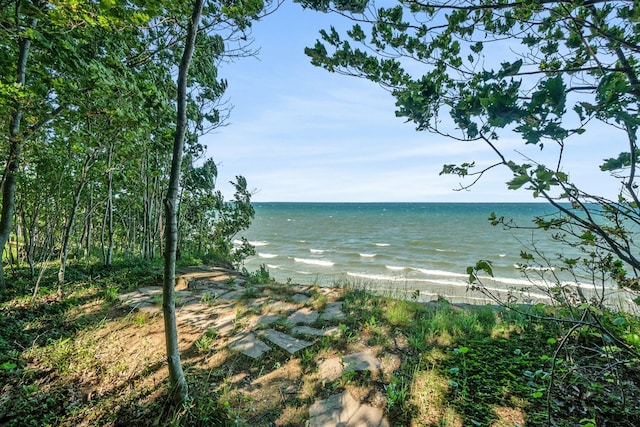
(444, 364)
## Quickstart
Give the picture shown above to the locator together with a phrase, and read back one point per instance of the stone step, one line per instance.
(343, 410)
(249, 345)
(284, 341)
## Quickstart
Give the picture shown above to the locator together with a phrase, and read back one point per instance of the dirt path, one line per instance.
(254, 320)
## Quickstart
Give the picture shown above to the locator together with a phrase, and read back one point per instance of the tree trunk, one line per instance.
(103, 245)
(146, 208)
(27, 236)
(13, 162)
(108, 259)
(179, 388)
(64, 252)
(90, 229)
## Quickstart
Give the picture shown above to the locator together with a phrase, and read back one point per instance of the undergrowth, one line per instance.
(87, 360)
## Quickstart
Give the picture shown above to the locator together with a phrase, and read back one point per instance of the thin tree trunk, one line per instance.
(64, 252)
(109, 213)
(27, 236)
(146, 203)
(158, 228)
(103, 246)
(90, 228)
(15, 151)
(179, 388)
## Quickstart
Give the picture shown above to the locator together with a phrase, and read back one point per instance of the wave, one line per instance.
(368, 255)
(319, 262)
(265, 255)
(256, 243)
(273, 266)
(514, 281)
(395, 268)
(383, 244)
(453, 251)
(381, 277)
(533, 268)
(439, 273)
(316, 251)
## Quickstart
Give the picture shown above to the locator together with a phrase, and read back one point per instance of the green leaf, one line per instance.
(8, 366)
(618, 321)
(510, 68)
(518, 181)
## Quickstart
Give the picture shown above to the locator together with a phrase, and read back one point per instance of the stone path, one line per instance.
(207, 298)
(343, 410)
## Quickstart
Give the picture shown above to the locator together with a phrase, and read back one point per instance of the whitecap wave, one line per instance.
(440, 273)
(383, 244)
(265, 255)
(368, 255)
(273, 266)
(316, 251)
(515, 282)
(258, 243)
(395, 267)
(533, 267)
(381, 277)
(320, 262)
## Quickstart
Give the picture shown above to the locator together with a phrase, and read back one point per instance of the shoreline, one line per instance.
(458, 294)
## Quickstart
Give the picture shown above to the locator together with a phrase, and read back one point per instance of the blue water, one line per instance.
(401, 247)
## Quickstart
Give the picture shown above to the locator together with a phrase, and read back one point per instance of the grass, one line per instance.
(88, 360)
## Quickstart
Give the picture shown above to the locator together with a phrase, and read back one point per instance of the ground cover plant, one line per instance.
(90, 360)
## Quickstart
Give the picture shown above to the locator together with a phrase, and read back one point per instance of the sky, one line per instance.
(301, 134)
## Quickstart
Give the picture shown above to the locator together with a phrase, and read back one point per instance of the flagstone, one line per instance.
(343, 410)
(249, 345)
(284, 341)
(303, 315)
(268, 319)
(363, 361)
(333, 311)
(308, 330)
(279, 306)
(301, 298)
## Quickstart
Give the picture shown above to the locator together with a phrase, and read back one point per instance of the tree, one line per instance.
(16, 138)
(207, 89)
(573, 66)
(545, 72)
(179, 388)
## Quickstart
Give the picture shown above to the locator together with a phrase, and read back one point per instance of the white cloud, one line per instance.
(299, 133)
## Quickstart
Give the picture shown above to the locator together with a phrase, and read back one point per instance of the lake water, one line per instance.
(403, 247)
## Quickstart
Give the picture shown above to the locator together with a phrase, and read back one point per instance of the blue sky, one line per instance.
(300, 133)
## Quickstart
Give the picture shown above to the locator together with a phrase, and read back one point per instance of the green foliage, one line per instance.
(209, 224)
(397, 393)
(565, 69)
(258, 277)
(568, 65)
(206, 341)
(110, 294)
